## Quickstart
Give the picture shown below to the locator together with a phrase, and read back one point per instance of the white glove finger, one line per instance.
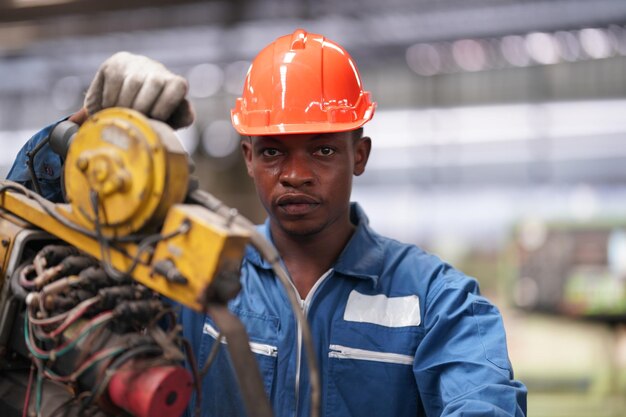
(129, 90)
(113, 81)
(183, 115)
(148, 94)
(93, 97)
(170, 98)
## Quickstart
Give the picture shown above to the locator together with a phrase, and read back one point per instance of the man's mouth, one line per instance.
(296, 204)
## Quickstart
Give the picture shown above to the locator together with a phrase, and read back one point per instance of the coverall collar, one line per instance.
(361, 258)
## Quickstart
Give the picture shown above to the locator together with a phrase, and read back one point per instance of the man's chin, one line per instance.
(299, 228)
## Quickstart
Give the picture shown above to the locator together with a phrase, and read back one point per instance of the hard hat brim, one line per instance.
(299, 128)
(285, 129)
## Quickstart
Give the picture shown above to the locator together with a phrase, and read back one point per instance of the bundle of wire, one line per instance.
(82, 324)
(74, 311)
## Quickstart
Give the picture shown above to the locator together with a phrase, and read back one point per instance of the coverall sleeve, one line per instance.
(48, 166)
(462, 366)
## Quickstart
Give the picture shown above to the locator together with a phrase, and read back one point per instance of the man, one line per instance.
(397, 332)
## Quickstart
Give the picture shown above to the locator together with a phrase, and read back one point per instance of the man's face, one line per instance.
(304, 181)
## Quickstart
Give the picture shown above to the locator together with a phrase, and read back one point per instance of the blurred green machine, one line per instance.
(570, 285)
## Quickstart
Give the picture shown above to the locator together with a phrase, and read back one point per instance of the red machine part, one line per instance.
(154, 392)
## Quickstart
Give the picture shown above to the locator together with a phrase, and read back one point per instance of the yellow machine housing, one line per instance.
(211, 246)
(137, 172)
(136, 167)
(10, 226)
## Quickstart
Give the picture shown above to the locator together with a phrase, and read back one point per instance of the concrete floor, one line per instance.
(571, 368)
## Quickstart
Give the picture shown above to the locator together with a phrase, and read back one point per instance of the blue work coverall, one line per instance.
(397, 332)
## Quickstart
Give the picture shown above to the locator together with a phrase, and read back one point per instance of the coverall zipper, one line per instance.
(344, 352)
(255, 347)
(305, 304)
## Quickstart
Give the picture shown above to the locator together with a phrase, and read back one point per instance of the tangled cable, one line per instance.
(81, 325)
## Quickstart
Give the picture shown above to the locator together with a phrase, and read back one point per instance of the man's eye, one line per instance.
(270, 152)
(325, 151)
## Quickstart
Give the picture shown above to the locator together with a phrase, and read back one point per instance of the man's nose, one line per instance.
(296, 172)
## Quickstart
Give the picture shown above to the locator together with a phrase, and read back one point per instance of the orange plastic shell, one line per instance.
(302, 83)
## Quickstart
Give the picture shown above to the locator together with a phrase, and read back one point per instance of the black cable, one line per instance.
(44, 204)
(212, 355)
(63, 407)
(169, 311)
(31, 161)
(143, 246)
(103, 382)
(191, 359)
(105, 254)
(146, 243)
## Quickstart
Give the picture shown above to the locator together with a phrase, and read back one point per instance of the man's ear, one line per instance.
(362, 149)
(246, 150)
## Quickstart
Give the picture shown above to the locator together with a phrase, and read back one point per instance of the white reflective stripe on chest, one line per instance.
(260, 348)
(382, 310)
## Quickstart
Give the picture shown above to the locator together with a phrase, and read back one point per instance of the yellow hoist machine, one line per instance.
(89, 287)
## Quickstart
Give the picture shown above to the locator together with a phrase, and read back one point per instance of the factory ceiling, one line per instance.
(368, 22)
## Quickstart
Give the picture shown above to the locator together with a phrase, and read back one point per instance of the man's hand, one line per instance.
(142, 84)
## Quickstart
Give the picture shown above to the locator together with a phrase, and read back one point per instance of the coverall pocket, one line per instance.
(220, 390)
(375, 366)
(355, 375)
(492, 335)
(265, 352)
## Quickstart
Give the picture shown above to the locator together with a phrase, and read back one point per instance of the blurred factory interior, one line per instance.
(499, 142)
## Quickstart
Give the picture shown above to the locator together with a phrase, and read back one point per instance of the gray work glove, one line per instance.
(142, 84)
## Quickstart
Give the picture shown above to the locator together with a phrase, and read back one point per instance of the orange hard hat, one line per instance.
(302, 83)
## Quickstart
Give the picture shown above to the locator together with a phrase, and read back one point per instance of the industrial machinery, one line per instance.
(571, 276)
(573, 269)
(89, 288)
